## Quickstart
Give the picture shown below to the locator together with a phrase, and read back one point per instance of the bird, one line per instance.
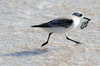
(62, 25)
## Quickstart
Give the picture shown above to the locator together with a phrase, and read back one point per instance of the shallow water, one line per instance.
(20, 44)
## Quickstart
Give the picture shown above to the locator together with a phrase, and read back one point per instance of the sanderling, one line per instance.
(62, 25)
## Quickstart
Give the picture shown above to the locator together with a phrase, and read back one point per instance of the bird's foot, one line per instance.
(78, 42)
(44, 44)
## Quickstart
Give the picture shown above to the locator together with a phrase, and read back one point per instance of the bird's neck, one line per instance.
(76, 21)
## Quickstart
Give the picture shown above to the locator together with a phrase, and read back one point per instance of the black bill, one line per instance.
(85, 22)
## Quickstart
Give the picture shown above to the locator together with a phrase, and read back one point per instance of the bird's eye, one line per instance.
(80, 14)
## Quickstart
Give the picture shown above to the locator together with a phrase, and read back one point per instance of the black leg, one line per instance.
(72, 40)
(47, 40)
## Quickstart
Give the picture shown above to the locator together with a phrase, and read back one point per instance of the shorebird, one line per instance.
(62, 25)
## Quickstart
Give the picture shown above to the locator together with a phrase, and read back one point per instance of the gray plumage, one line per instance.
(56, 23)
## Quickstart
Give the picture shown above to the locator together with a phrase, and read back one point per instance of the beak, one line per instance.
(87, 18)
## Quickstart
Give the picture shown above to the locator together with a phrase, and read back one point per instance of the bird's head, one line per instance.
(77, 15)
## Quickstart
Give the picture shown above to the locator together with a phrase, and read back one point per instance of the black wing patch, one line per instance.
(56, 23)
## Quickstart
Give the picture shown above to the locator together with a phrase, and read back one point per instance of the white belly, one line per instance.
(59, 29)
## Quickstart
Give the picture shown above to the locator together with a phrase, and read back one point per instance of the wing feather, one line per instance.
(56, 23)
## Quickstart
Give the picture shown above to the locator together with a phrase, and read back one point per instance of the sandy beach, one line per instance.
(20, 43)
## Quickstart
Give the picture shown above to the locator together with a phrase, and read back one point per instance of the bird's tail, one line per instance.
(41, 25)
(35, 26)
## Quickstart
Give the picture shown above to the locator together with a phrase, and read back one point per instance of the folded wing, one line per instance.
(56, 23)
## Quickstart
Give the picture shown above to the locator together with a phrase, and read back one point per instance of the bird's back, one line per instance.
(56, 23)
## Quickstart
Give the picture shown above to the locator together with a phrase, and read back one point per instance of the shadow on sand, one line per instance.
(27, 53)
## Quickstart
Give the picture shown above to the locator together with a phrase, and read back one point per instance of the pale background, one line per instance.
(20, 44)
